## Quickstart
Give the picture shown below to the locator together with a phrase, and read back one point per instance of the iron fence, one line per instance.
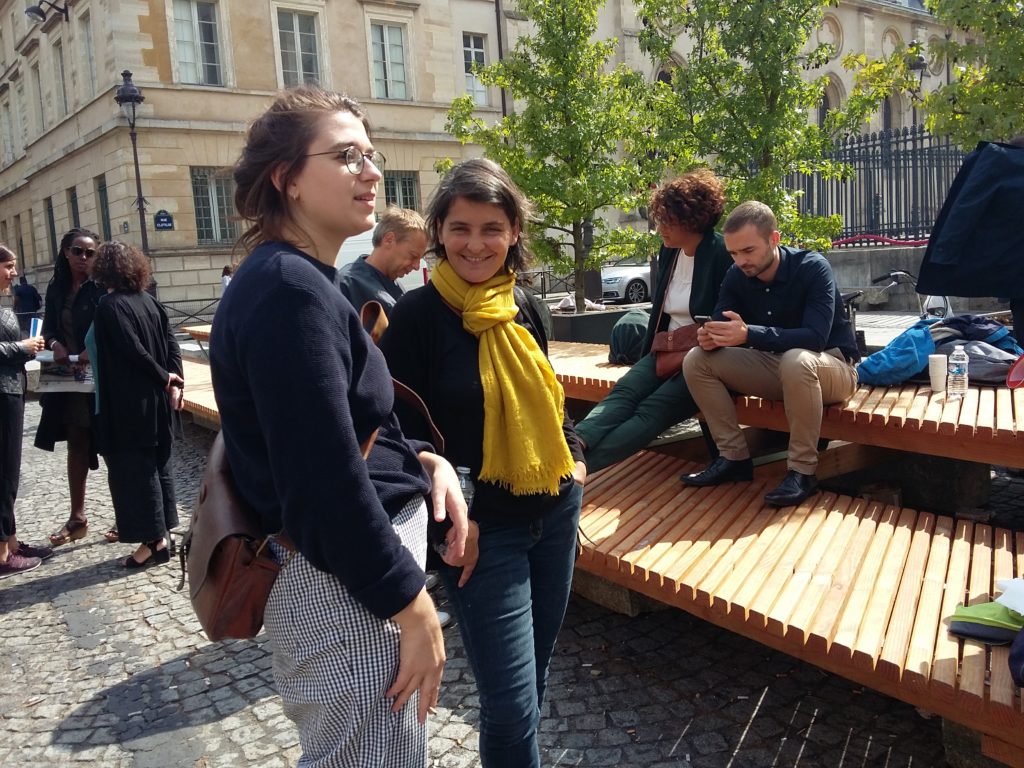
(190, 312)
(901, 178)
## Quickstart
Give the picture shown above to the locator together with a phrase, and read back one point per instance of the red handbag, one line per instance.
(670, 347)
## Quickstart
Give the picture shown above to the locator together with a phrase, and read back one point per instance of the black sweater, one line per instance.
(428, 349)
(137, 351)
(300, 386)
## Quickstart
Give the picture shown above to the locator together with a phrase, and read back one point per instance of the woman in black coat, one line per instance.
(138, 389)
(71, 300)
(15, 556)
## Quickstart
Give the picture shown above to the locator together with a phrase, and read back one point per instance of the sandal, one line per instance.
(112, 535)
(73, 530)
(156, 556)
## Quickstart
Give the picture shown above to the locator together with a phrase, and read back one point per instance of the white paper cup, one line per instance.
(937, 366)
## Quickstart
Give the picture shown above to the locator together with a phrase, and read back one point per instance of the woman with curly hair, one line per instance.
(691, 266)
(138, 389)
(71, 300)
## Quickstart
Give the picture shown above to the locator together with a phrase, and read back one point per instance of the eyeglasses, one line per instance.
(355, 160)
(78, 250)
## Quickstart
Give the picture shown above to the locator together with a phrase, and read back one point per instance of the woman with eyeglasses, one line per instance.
(305, 401)
(71, 300)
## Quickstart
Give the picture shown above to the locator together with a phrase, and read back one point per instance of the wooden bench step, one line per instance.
(855, 587)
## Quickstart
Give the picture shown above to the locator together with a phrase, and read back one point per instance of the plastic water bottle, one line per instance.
(956, 373)
(466, 484)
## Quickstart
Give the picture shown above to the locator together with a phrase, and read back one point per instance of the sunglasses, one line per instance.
(78, 250)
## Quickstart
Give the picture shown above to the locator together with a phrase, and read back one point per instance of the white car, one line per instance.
(626, 283)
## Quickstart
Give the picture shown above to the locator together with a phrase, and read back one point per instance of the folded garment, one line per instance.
(1013, 594)
(1017, 659)
(990, 614)
(983, 632)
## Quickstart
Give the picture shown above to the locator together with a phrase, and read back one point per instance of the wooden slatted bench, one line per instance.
(855, 587)
(986, 426)
(198, 397)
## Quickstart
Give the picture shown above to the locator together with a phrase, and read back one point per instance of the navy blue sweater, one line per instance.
(299, 387)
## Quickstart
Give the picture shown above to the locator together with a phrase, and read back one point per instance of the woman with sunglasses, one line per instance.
(71, 300)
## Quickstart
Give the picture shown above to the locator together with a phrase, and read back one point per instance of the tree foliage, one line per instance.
(579, 139)
(985, 99)
(741, 98)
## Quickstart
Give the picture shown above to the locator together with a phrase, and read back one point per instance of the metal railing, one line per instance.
(190, 312)
(544, 282)
(901, 178)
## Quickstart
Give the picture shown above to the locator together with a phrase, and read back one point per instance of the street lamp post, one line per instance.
(129, 97)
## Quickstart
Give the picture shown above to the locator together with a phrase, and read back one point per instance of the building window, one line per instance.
(300, 60)
(76, 220)
(7, 132)
(473, 56)
(51, 224)
(20, 124)
(85, 31)
(37, 90)
(103, 207)
(213, 190)
(195, 42)
(402, 188)
(19, 237)
(31, 240)
(59, 74)
(387, 43)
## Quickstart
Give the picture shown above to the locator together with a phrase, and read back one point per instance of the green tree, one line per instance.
(985, 99)
(579, 140)
(741, 97)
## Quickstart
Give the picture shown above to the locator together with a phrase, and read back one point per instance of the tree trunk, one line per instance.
(579, 260)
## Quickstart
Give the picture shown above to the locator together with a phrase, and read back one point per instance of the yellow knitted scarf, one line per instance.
(524, 450)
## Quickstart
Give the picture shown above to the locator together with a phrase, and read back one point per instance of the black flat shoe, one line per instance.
(156, 557)
(794, 488)
(721, 470)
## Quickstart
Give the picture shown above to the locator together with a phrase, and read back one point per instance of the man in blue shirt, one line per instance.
(779, 331)
(399, 242)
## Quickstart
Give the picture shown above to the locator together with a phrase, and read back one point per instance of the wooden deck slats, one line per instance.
(858, 588)
(896, 642)
(768, 591)
(917, 667)
(1002, 692)
(974, 661)
(797, 588)
(947, 647)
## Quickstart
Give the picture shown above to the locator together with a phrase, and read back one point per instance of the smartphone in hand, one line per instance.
(701, 319)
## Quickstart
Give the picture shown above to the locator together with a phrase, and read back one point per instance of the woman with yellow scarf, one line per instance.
(474, 349)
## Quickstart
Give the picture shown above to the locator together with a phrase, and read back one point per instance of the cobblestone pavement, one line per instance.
(102, 667)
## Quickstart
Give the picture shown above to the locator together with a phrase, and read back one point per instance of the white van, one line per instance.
(356, 246)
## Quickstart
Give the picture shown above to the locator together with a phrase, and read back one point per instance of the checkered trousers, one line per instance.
(334, 660)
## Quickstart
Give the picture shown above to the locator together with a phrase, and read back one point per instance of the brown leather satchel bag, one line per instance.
(670, 347)
(230, 570)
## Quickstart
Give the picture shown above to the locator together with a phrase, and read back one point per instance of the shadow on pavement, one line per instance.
(162, 709)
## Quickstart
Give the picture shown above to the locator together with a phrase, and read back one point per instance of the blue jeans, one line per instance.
(509, 614)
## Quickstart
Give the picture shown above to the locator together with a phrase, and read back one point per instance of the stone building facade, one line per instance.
(206, 67)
